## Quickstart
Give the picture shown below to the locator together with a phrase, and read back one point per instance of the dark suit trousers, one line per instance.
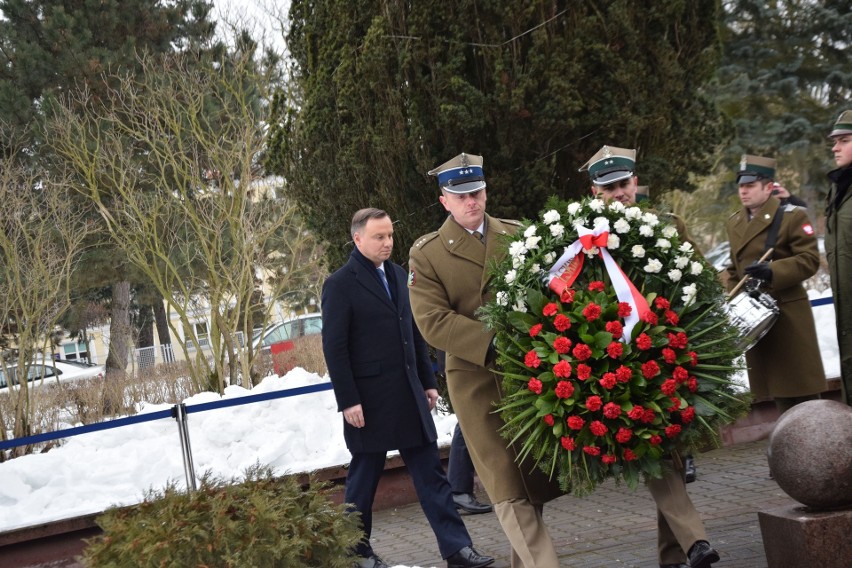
(432, 488)
(460, 466)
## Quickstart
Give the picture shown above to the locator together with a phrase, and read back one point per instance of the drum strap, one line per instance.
(773, 229)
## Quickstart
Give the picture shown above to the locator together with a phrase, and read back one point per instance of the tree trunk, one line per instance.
(120, 340)
(163, 333)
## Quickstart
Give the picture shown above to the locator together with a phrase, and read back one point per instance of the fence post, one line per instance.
(179, 414)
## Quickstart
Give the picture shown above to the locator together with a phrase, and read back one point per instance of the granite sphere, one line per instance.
(810, 454)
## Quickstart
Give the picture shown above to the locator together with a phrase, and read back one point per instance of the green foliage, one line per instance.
(263, 521)
(385, 91)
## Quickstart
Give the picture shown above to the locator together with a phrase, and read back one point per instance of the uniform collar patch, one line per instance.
(412, 277)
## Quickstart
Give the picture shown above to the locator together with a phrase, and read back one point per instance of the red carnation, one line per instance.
(624, 309)
(669, 387)
(623, 374)
(669, 355)
(592, 311)
(635, 413)
(671, 317)
(568, 443)
(562, 369)
(548, 419)
(562, 345)
(661, 303)
(687, 415)
(594, 403)
(629, 455)
(655, 440)
(535, 330)
(692, 384)
(592, 450)
(583, 371)
(650, 369)
(675, 403)
(615, 349)
(693, 356)
(649, 318)
(597, 428)
(608, 381)
(582, 352)
(680, 374)
(550, 309)
(678, 341)
(534, 385)
(567, 296)
(564, 389)
(648, 416)
(596, 286)
(615, 328)
(608, 459)
(531, 359)
(575, 422)
(561, 322)
(672, 430)
(611, 410)
(644, 342)
(623, 435)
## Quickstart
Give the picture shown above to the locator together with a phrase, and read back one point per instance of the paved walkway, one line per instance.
(615, 527)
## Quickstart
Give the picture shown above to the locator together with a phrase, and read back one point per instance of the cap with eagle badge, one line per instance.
(462, 174)
(610, 164)
(843, 124)
(753, 168)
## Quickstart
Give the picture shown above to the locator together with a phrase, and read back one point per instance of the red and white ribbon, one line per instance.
(566, 269)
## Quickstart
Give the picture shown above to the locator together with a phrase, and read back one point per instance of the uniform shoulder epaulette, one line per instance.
(513, 222)
(425, 239)
(735, 213)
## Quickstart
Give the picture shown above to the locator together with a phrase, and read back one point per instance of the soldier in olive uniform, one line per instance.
(448, 282)
(838, 244)
(680, 532)
(786, 363)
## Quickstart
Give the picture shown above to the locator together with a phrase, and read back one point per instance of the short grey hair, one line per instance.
(362, 216)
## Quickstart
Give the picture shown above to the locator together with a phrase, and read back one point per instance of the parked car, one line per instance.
(288, 330)
(49, 371)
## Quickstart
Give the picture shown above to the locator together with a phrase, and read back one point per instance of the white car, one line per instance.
(287, 331)
(52, 372)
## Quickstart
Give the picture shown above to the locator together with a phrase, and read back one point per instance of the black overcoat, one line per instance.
(376, 357)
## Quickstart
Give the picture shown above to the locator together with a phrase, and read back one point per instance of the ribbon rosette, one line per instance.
(565, 270)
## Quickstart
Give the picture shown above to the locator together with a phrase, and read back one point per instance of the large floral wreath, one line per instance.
(613, 343)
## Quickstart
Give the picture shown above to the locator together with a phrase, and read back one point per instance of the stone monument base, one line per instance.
(796, 537)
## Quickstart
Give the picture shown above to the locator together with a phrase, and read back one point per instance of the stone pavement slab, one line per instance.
(615, 527)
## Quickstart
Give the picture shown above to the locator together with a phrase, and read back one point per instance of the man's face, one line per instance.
(623, 190)
(375, 240)
(754, 194)
(468, 209)
(842, 149)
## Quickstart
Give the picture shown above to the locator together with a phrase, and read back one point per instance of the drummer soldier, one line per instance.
(785, 365)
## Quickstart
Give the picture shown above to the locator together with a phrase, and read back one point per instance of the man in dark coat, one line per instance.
(838, 244)
(384, 385)
(786, 363)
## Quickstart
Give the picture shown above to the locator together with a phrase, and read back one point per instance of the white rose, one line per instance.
(600, 222)
(696, 268)
(612, 241)
(511, 275)
(681, 262)
(596, 205)
(551, 217)
(517, 249)
(650, 219)
(686, 247)
(532, 242)
(574, 208)
(646, 231)
(689, 293)
(621, 226)
(520, 306)
(638, 251)
(675, 275)
(549, 258)
(502, 298)
(669, 231)
(557, 230)
(654, 266)
(518, 261)
(530, 231)
(616, 206)
(633, 213)
(536, 268)
(664, 244)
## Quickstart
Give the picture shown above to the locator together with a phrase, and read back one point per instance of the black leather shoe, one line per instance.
(690, 474)
(468, 503)
(702, 555)
(371, 561)
(467, 557)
